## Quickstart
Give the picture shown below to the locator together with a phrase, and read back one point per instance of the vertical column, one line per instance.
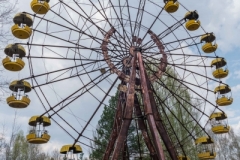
(143, 128)
(116, 127)
(127, 117)
(160, 126)
(148, 110)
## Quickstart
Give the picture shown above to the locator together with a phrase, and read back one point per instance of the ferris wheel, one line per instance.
(79, 53)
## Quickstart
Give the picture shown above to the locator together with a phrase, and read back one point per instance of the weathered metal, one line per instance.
(148, 110)
(117, 142)
(107, 58)
(128, 112)
(142, 126)
(116, 127)
(125, 155)
(163, 64)
(160, 126)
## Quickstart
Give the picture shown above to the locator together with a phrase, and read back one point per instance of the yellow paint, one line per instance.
(40, 7)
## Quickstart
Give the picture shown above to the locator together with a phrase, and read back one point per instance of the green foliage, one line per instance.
(104, 128)
(176, 108)
(103, 131)
(22, 150)
(227, 146)
(20, 147)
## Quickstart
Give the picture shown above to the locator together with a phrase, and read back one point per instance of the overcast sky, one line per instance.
(220, 17)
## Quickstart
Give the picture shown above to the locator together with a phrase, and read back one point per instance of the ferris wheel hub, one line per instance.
(134, 49)
(127, 61)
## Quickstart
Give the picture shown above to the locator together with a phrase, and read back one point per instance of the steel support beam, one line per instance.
(160, 126)
(116, 126)
(142, 126)
(148, 110)
(128, 112)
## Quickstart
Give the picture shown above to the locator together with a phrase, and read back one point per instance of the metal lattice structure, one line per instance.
(81, 52)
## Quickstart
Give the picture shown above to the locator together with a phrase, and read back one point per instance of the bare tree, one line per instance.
(55, 154)
(7, 11)
(227, 145)
(14, 131)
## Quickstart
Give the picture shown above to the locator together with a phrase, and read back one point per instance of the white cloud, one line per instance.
(221, 18)
(237, 74)
(236, 127)
(236, 88)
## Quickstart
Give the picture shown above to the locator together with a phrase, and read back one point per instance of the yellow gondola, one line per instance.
(208, 47)
(219, 72)
(40, 6)
(193, 23)
(209, 37)
(32, 137)
(12, 49)
(71, 151)
(23, 85)
(223, 99)
(183, 158)
(19, 99)
(18, 103)
(38, 134)
(217, 120)
(15, 63)
(10, 65)
(22, 29)
(222, 89)
(171, 6)
(205, 148)
(45, 121)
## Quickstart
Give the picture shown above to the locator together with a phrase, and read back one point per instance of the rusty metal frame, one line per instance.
(123, 117)
(128, 112)
(116, 126)
(144, 130)
(117, 53)
(148, 110)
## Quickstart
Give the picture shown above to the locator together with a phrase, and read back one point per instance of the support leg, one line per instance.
(148, 110)
(116, 127)
(127, 118)
(143, 128)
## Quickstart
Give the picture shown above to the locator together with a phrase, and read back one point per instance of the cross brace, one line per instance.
(153, 127)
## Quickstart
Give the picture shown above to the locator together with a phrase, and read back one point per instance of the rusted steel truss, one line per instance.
(148, 110)
(124, 113)
(150, 122)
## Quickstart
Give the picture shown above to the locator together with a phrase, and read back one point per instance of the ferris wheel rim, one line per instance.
(118, 59)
